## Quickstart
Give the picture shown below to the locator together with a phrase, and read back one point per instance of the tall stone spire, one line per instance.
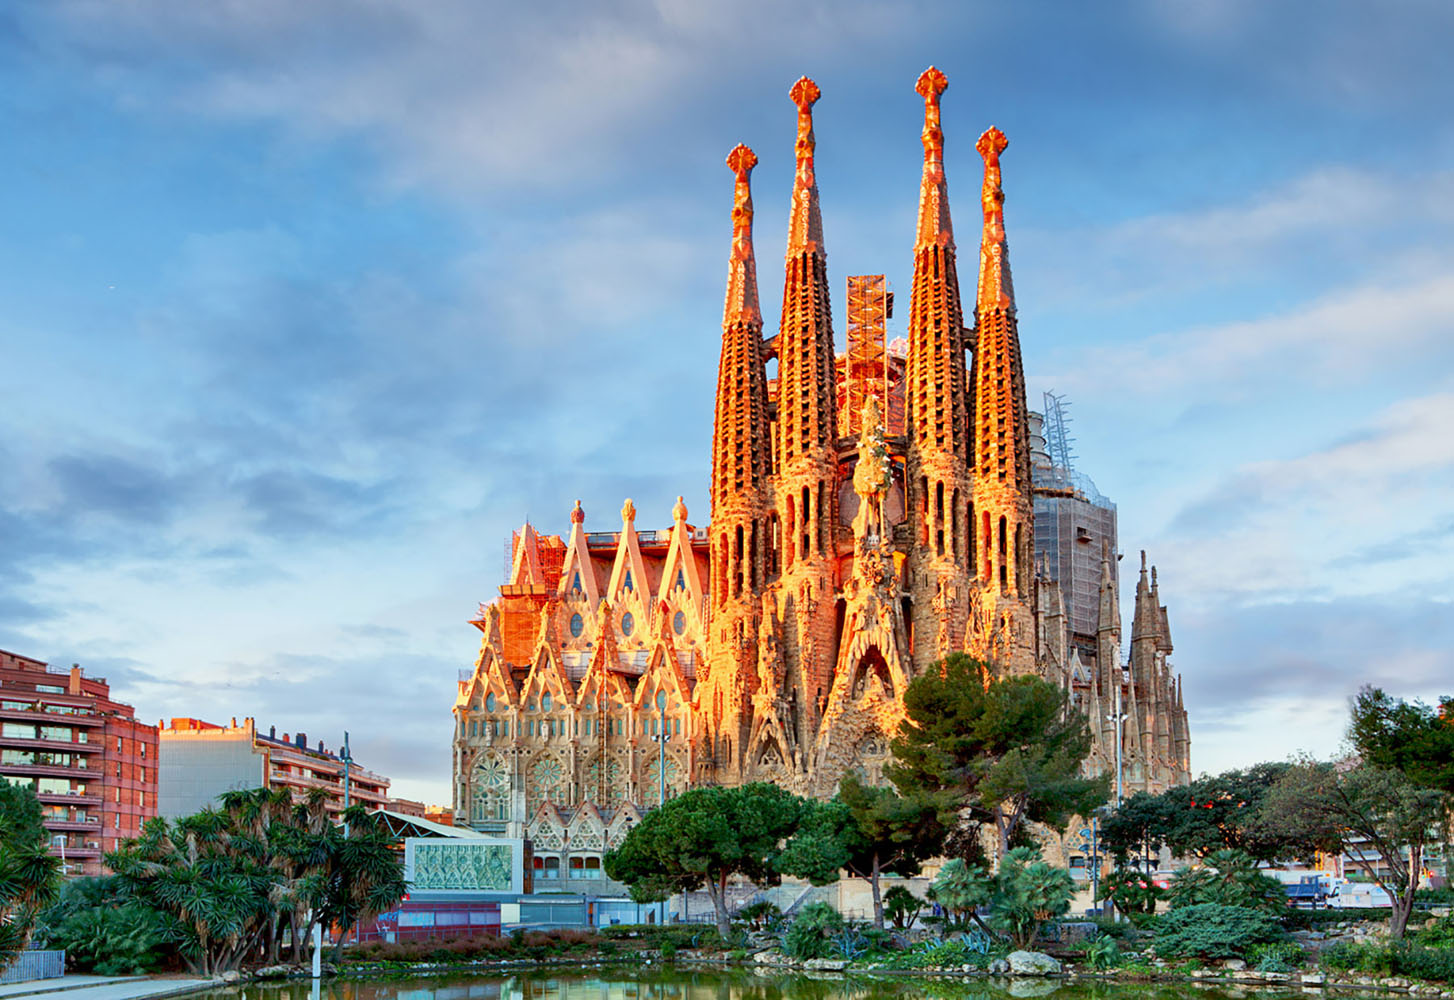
(1108, 625)
(936, 419)
(740, 498)
(1003, 492)
(806, 435)
(742, 305)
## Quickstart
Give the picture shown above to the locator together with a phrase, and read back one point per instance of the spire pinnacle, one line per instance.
(742, 305)
(996, 291)
(935, 229)
(805, 226)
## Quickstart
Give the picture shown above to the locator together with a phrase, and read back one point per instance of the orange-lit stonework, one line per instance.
(843, 556)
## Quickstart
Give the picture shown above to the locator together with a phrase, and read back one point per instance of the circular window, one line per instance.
(679, 622)
(628, 624)
(577, 625)
(545, 702)
(490, 702)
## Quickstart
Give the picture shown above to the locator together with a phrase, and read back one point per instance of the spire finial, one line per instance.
(996, 291)
(935, 229)
(679, 511)
(628, 512)
(742, 305)
(805, 227)
(577, 515)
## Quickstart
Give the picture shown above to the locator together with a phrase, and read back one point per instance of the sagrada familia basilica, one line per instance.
(859, 531)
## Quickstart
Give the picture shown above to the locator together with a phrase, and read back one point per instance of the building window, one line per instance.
(474, 728)
(679, 623)
(17, 730)
(628, 623)
(490, 702)
(58, 733)
(118, 744)
(585, 867)
(49, 689)
(577, 625)
(143, 749)
(545, 702)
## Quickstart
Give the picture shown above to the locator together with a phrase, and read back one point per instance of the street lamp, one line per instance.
(347, 766)
(1119, 718)
(661, 738)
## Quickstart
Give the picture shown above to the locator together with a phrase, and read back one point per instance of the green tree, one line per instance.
(1004, 751)
(961, 889)
(1132, 891)
(364, 877)
(1028, 893)
(29, 876)
(1214, 813)
(1211, 930)
(902, 907)
(1230, 878)
(1406, 736)
(704, 837)
(867, 830)
(1383, 814)
(231, 876)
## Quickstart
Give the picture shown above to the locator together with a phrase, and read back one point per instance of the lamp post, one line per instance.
(1119, 719)
(661, 765)
(347, 767)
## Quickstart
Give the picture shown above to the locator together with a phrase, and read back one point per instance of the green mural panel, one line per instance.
(463, 866)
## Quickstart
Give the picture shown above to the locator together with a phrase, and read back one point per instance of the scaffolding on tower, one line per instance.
(870, 304)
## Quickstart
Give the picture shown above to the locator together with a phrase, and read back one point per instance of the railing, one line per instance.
(35, 965)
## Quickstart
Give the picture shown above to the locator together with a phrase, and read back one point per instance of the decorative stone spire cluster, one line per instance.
(741, 305)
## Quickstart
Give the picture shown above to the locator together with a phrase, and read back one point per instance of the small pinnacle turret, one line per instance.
(742, 305)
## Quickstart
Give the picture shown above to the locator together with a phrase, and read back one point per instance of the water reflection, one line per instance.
(680, 984)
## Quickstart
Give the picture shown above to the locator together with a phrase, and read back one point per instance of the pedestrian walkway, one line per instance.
(102, 988)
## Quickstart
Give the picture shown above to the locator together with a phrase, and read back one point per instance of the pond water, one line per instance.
(737, 984)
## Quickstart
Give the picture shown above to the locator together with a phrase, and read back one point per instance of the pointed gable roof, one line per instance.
(680, 560)
(577, 565)
(629, 566)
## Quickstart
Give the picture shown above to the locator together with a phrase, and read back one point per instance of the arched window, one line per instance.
(545, 702)
(490, 702)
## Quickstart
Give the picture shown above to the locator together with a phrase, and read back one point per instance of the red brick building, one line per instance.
(91, 763)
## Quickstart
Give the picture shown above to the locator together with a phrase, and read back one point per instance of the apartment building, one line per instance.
(199, 760)
(92, 764)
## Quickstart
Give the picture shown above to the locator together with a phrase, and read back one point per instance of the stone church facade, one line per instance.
(854, 539)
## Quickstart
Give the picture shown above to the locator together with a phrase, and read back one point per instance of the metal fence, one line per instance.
(35, 964)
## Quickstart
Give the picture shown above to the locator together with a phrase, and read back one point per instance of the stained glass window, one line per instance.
(628, 623)
(490, 702)
(545, 702)
(577, 625)
(679, 623)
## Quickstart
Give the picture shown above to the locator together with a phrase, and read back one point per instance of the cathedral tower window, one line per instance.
(577, 625)
(490, 702)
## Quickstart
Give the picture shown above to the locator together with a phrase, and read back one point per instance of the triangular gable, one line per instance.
(680, 571)
(547, 673)
(664, 672)
(629, 577)
(525, 568)
(578, 572)
(490, 675)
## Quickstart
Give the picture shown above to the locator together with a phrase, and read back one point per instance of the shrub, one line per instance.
(963, 950)
(811, 934)
(1438, 934)
(1212, 930)
(1028, 892)
(763, 915)
(1278, 956)
(1132, 891)
(105, 930)
(1404, 958)
(1230, 878)
(1102, 953)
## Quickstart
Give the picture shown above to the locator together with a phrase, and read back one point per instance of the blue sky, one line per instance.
(307, 305)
